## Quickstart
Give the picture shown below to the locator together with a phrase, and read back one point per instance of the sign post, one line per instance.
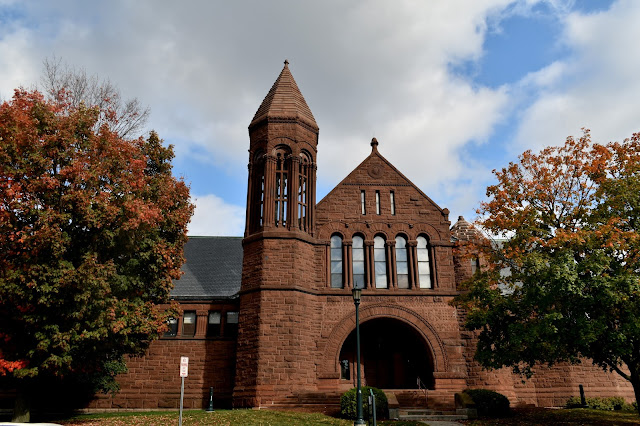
(184, 372)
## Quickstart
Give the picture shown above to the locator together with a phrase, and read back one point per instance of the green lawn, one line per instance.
(536, 416)
(198, 417)
(576, 416)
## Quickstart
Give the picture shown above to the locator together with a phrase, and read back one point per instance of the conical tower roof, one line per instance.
(284, 101)
(465, 231)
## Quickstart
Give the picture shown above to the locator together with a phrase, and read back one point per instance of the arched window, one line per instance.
(475, 265)
(380, 262)
(303, 191)
(336, 262)
(357, 253)
(282, 189)
(424, 268)
(402, 265)
(257, 191)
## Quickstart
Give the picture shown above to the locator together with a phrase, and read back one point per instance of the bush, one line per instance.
(573, 402)
(489, 403)
(612, 403)
(349, 408)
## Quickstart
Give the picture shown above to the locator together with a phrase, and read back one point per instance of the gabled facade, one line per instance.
(268, 320)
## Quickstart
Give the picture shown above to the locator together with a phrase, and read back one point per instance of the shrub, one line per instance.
(607, 404)
(349, 408)
(573, 402)
(489, 403)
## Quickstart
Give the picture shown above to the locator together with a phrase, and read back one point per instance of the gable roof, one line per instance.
(213, 269)
(285, 101)
(375, 156)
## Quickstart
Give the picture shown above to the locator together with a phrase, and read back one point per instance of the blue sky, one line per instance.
(452, 89)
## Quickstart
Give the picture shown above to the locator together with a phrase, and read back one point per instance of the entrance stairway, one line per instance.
(413, 404)
(416, 414)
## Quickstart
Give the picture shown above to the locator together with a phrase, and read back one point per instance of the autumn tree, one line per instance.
(562, 282)
(72, 86)
(92, 228)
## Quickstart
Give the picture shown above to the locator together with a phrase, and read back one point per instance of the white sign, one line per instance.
(184, 366)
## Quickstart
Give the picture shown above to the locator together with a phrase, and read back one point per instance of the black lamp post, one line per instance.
(357, 292)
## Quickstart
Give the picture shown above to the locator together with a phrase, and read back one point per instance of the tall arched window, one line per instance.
(336, 262)
(380, 262)
(402, 265)
(357, 253)
(303, 191)
(257, 191)
(282, 180)
(424, 268)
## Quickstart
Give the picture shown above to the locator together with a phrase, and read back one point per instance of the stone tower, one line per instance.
(278, 278)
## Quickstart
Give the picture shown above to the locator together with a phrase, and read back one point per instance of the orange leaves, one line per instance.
(554, 189)
(10, 366)
(91, 233)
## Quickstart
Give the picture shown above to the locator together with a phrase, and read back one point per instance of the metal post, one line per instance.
(210, 407)
(372, 404)
(359, 420)
(181, 401)
(583, 400)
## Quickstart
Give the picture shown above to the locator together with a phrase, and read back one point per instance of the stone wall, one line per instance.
(153, 381)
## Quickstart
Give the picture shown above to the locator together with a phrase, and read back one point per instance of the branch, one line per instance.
(620, 372)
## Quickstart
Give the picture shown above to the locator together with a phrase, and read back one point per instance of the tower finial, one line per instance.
(374, 144)
(286, 63)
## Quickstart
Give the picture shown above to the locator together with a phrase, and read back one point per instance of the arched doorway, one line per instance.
(393, 355)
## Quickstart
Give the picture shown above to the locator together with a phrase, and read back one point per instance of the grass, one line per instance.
(575, 416)
(533, 416)
(217, 418)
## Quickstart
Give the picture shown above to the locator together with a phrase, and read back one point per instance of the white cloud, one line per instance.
(205, 67)
(366, 68)
(597, 87)
(213, 216)
(17, 68)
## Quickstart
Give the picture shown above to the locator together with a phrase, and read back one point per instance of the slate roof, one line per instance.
(285, 101)
(213, 269)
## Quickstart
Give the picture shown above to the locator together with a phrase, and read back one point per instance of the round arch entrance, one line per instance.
(393, 355)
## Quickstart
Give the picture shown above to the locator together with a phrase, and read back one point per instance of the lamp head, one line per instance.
(356, 292)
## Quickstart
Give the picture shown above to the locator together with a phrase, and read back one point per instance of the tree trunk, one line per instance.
(21, 409)
(634, 378)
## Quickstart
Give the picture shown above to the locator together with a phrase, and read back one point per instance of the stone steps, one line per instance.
(433, 415)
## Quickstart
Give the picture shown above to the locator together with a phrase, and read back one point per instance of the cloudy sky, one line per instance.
(450, 88)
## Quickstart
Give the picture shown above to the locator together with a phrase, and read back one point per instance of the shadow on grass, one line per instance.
(573, 416)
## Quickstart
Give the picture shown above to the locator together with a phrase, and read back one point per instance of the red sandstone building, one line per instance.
(268, 320)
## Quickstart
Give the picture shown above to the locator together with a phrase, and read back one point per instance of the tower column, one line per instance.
(278, 269)
(413, 276)
(250, 189)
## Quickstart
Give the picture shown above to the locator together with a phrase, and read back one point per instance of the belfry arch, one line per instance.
(425, 347)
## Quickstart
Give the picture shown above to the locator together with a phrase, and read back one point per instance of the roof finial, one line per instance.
(374, 144)
(286, 63)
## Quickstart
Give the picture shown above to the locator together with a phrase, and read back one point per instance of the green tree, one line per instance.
(562, 284)
(92, 228)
